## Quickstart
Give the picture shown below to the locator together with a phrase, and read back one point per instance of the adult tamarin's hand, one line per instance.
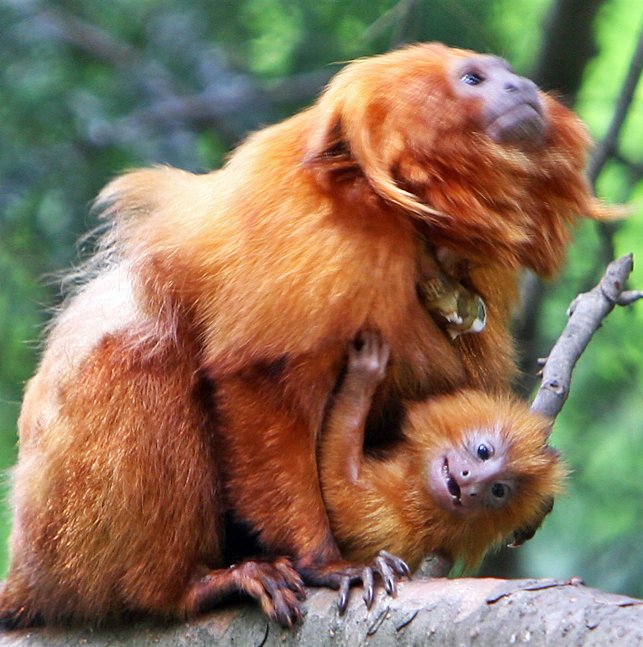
(191, 373)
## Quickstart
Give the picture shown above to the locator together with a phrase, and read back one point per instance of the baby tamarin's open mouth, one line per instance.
(452, 484)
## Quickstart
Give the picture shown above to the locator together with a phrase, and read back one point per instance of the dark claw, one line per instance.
(290, 580)
(297, 588)
(344, 590)
(285, 600)
(369, 587)
(283, 615)
(386, 573)
(291, 613)
(343, 575)
(400, 567)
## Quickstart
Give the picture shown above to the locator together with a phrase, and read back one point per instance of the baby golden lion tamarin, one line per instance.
(472, 468)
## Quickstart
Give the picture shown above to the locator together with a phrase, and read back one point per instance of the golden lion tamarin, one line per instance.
(472, 468)
(191, 373)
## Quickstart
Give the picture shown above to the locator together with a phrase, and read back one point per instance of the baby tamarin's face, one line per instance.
(472, 476)
(484, 457)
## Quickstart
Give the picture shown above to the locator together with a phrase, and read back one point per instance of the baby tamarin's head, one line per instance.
(487, 468)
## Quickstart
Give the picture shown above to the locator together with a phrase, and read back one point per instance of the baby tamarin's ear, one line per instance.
(525, 533)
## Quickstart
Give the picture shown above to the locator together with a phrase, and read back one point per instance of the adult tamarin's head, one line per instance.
(493, 165)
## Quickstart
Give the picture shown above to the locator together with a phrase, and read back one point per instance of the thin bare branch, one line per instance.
(586, 313)
(89, 38)
(635, 169)
(629, 297)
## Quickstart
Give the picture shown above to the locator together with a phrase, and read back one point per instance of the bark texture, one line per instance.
(467, 611)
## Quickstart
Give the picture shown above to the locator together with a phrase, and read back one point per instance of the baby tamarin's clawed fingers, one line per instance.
(390, 567)
(387, 567)
(344, 575)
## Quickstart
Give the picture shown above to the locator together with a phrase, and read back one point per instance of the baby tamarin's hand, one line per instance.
(368, 357)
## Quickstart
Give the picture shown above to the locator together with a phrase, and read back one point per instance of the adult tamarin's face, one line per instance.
(510, 108)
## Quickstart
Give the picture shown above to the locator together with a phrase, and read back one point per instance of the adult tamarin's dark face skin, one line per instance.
(511, 110)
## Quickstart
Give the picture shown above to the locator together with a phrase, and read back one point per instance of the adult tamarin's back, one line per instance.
(254, 249)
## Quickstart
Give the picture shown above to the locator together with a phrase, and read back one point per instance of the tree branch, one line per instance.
(586, 313)
(484, 612)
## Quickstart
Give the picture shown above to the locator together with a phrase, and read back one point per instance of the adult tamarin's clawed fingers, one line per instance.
(275, 585)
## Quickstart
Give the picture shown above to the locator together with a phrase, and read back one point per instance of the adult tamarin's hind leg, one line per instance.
(266, 428)
(274, 584)
(115, 493)
(117, 500)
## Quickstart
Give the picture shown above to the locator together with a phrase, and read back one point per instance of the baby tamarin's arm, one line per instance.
(342, 459)
(366, 496)
(343, 437)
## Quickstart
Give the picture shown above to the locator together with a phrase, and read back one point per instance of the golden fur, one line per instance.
(391, 507)
(248, 282)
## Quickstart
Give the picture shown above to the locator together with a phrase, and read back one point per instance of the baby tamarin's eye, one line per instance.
(499, 490)
(484, 452)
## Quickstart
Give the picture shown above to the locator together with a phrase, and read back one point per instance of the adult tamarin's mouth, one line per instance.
(523, 122)
(452, 484)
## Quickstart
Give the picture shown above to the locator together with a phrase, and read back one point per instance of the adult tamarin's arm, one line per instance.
(470, 470)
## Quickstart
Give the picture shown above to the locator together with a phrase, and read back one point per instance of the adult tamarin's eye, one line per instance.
(498, 490)
(483, 452)
(472, 78)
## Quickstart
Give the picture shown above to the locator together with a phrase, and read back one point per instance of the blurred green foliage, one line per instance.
(86, 90)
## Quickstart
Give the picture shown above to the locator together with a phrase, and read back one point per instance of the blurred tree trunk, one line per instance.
(568, 44)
